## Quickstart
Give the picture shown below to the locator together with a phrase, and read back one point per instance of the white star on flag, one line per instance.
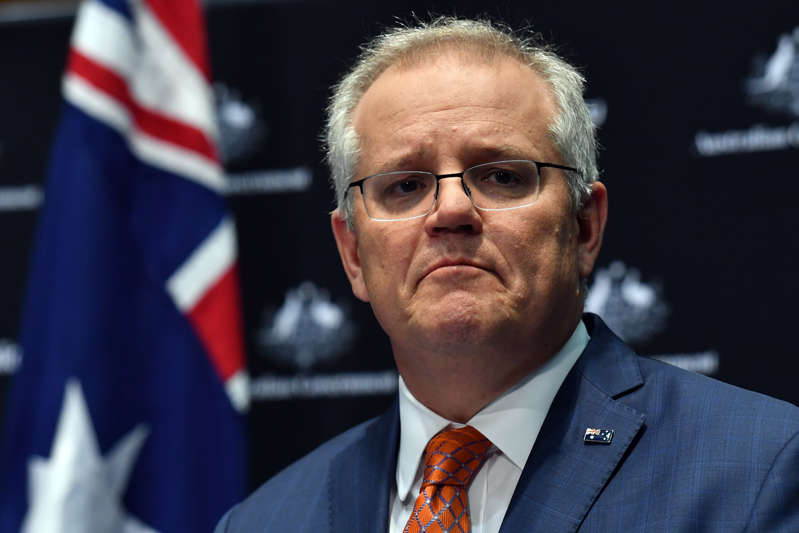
(77, 490)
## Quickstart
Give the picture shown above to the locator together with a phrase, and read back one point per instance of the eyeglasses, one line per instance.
(409, 194)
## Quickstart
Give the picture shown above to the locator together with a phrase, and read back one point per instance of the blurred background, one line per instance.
(697, 107)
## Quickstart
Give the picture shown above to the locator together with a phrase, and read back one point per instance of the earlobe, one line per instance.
(591, 221)
(347, 243)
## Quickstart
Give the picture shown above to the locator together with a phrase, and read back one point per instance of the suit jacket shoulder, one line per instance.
(727, 458)
(688, 453)
(325, 490)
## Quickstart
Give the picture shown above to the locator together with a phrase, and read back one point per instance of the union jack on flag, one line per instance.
(126, 412)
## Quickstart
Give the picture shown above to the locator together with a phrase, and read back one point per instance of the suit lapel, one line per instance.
(563, 475)
(362, 475)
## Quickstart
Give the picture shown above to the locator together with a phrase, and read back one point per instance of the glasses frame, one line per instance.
(538, 164)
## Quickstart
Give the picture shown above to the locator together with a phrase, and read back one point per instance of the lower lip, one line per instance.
(456, 270)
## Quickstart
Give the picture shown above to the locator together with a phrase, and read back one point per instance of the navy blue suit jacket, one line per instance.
(689, 454)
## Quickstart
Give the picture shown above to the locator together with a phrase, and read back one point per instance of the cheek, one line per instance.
(385, 256)
(544, 251)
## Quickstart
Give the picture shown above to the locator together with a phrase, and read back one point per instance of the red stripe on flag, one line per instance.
(217, 320)
(182, 19)
(102, 78)
(153, 124)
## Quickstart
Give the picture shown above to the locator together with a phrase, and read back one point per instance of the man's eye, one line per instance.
(406, 186)
(502, 177)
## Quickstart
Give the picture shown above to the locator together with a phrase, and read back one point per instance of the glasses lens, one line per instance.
(397, 195)
(503, 185)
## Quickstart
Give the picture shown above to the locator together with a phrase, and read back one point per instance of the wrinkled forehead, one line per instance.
(451, 95)
(466, 52)
(463, 51)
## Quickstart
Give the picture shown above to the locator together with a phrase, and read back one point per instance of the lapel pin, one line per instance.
(598, 436)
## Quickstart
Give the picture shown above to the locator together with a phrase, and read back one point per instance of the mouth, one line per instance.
(453, 266)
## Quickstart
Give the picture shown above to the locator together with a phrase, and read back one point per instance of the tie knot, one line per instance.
(453, 457)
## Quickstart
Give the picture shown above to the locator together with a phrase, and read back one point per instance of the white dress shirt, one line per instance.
(511, 423)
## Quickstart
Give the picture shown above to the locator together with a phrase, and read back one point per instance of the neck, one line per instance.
(458, 383)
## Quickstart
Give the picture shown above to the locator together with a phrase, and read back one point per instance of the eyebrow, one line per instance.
(404, 162)
(495, 153)
(472, 156)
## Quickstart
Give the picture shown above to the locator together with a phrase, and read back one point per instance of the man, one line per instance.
(469, 217)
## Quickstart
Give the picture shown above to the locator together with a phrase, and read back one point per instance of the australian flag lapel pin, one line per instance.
(598, 436)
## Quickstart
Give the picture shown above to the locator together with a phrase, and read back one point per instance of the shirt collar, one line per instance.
(511, 422)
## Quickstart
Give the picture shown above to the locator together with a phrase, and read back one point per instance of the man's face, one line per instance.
(460, 279)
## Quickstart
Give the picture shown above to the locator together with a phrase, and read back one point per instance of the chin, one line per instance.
(459, 322)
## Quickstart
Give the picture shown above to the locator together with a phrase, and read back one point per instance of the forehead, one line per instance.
(454, 107)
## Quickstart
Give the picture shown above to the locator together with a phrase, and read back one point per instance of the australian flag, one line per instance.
(126, 413)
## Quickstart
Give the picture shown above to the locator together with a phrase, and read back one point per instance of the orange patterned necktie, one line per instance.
(452, 459)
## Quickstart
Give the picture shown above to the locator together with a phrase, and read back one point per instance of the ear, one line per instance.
(347, 242)
(591, 221)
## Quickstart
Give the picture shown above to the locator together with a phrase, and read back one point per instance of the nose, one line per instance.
(453, 211)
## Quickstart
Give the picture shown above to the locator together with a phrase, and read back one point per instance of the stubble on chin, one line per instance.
(459, 322)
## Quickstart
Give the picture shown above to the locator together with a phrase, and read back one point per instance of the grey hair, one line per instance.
(572, 130)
